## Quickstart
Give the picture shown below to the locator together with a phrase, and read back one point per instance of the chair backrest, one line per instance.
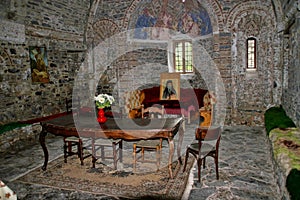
(208, 133)
(156, 109)
(209, 100)
(206, 112)
(73, 105)
(205, 118)
(133, 100)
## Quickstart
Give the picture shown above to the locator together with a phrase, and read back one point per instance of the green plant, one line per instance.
(104, 100)
(292, 184)
(276, 117)
(11, 126)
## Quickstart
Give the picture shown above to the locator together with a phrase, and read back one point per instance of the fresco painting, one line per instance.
(193, 21)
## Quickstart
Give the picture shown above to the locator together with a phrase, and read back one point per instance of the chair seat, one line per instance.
(148, 143)
(207, 145)
(107, 142)
(69, 143)
(72, 139)
(205, 148)
(98, 147)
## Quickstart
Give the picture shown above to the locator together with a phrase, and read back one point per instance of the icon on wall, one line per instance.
(170, 86)
(38, 64)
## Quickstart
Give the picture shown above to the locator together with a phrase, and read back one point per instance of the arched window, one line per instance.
(251, 53)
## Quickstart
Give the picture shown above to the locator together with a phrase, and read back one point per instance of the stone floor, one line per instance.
(245, 167)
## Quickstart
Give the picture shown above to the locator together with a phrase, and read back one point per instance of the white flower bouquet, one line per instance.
(104, 100)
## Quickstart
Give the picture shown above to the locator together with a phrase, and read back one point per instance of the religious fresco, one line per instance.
(191, 19)
(145, 19)
(195, 22)
(39, 64)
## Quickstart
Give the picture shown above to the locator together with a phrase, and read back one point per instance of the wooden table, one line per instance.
(119, 128)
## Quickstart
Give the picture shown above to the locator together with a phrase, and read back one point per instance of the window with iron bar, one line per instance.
(251, 53)
(183, 56)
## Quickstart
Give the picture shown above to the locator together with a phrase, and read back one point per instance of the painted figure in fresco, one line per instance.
(161, 30)
(204, 21)
(194, 21)
(189, 26)
(145, 20)
(169, 91)
(163, 24)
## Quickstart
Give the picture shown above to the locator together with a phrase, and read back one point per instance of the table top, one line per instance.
(114, 128)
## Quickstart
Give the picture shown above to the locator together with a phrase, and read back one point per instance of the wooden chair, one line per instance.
(208, 140)
(72, 107)
(70, 143)
(133, 103)
(102, 145)
(90, 145)
(149, 145)
(206, 112)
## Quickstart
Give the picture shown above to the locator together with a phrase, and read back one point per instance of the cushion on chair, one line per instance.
(205, 148)
(72, 139)
(148, 143)
(106, 142)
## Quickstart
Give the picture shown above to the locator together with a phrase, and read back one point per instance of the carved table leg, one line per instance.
(180, 139)
(171, 153)
(42, 139)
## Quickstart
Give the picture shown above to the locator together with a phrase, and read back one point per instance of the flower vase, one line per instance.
(101, 116)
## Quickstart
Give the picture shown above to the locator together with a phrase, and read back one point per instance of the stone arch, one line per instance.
(89, 32)
(128, 13)
(215, 12)
(244, 9)
(104, 28)
(99, 30)
(246, 20)
(278, 14)
(252, 20)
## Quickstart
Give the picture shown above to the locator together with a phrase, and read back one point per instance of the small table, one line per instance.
(119, 128)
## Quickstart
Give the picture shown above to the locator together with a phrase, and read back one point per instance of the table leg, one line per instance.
(171, 153)
(42, 139)
(94, 159)
(180, 140)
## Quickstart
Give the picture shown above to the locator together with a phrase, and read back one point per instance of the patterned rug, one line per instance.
(104, 180)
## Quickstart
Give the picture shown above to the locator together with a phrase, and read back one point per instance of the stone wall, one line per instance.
(59, 27)
(248, 95)
(291, 81)
(16, 139)
(254, 91)
(68, 29)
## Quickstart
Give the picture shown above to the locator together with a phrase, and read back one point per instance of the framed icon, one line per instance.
(169, 86)
(38, 64)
